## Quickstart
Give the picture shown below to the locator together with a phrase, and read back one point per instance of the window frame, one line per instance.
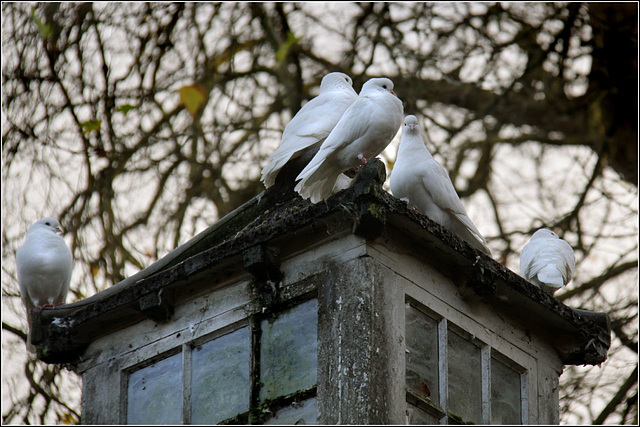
(440, 409)
(128, 370)
(217, 326)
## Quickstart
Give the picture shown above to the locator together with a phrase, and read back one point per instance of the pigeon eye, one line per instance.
(47, 223)
(384, 86)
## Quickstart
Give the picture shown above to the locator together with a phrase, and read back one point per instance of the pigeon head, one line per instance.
(335, 81)
(411, 122)
(380, 84)
(46, 224)
(545, 233)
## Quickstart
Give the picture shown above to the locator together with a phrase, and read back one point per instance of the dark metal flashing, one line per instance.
(244, 240)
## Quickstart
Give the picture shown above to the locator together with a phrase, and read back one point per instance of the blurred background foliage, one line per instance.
(140, 124)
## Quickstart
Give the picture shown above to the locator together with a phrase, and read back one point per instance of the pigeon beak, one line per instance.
(58, 230)
(393, 93)
(412, 126)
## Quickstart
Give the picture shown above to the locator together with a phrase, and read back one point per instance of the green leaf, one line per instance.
(90, 126)
(192, 97)
(284, 48)
(44, 29)
(125, 108)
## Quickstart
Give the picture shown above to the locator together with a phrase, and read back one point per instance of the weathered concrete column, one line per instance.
(360, 346)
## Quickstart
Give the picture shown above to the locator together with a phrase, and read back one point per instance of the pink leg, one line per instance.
(363, 161)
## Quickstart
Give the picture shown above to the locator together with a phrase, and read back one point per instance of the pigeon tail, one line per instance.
(270, 171)
(30, 347)
(318, 191)
(551, 276)
(342, 183)
(279, 159)
(323, 180)
(471, 234)
(481, 245)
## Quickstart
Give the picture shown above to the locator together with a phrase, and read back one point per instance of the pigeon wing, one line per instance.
(537, 256)
(351, 127)
(437, 183)
(569, 260)
(310, 126)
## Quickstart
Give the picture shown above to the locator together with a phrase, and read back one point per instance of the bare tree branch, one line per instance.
(618, 398)
(530, 107)
(596, 282)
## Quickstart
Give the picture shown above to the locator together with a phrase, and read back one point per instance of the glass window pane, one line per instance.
(220, 378)
(154, 393)
(298, 413)
(505, 394)
(465, 378)
(422, 354)
(289, 351)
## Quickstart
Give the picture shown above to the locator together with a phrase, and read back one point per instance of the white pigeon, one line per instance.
(44, 265)
(547, 261)
(363, 132)
(312, 123)
(418, 179)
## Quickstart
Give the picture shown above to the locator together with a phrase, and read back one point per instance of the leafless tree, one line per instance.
(138, 125)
